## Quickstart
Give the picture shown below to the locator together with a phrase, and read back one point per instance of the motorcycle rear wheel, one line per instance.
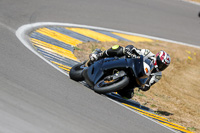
(111, 86)
(76, 72)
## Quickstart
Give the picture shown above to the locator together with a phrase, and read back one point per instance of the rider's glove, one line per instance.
(130, 51)
(134, 51)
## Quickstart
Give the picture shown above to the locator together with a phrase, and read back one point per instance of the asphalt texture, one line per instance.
(36, 98)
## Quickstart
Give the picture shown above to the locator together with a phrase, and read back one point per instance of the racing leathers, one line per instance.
(129, 51)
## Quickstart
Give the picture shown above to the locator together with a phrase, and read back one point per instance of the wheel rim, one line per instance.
(104, 83)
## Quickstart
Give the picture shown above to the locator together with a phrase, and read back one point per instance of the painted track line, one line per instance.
(42, 24)
(21, 33)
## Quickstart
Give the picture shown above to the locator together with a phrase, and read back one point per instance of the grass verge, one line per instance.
(177, 95)
(196, 1)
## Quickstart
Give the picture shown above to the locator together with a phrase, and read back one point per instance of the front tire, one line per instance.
(103, 87)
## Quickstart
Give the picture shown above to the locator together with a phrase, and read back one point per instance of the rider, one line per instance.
(161, 61)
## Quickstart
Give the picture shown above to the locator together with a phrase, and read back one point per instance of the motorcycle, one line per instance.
(113, 74)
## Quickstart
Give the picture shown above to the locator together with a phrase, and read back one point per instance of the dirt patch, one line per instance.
(177, 95)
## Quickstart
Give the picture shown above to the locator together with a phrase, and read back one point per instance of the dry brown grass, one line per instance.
(177, 94)
(195, 0)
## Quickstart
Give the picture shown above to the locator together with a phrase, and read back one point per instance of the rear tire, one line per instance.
(76, 72)
(116, 86)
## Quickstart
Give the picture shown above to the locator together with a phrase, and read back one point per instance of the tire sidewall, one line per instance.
(76, 72)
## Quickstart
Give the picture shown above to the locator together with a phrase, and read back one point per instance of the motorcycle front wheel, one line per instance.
(104, 86)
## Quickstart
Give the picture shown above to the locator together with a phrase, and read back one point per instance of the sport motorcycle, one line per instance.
(114, 73)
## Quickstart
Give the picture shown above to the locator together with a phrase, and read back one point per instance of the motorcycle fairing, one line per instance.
(97, 70)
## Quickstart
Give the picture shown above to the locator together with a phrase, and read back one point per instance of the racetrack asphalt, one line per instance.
(35, 97)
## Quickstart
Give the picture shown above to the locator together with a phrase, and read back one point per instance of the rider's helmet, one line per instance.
(162, 60)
